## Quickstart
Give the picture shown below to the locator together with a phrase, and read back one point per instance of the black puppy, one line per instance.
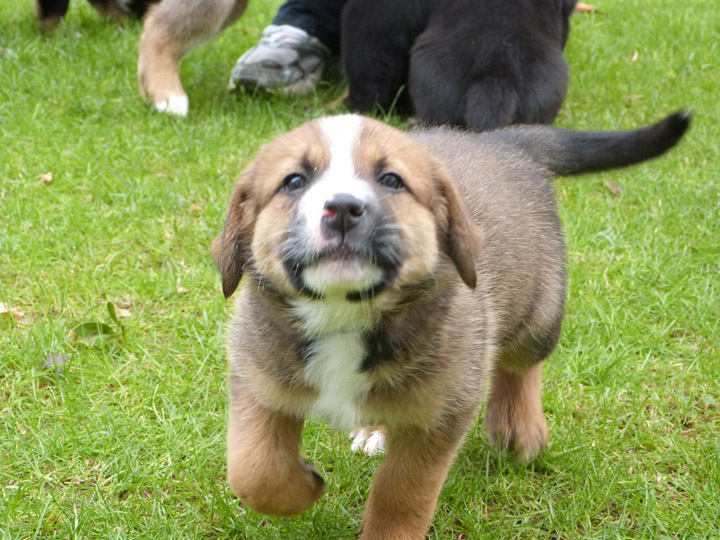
(50, 12)
(476, 63)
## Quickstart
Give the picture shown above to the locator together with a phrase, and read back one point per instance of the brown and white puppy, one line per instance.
(172, 28)
(389, 279)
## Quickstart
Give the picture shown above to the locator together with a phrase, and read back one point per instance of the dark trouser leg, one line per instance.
(319, 18)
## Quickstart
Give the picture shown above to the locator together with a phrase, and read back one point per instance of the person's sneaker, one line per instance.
(287, 60)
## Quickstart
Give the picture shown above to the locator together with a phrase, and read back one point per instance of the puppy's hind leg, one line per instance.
(370, 440)
(376, 40)
(491, 103)
(109, 9)
(265, 469)
(172, 28)
(514, 419)
(543, 90)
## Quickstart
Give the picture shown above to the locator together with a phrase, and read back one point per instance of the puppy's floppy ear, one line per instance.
(231, 249)
(459, 237)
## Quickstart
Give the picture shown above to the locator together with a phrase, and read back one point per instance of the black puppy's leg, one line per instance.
(50, 12)
(110, 9)
(435, 87)
(543, 91)
(491, 103)
(375, 42)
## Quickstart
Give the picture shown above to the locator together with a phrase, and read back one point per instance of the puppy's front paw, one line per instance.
(369, 440)
(276, 488)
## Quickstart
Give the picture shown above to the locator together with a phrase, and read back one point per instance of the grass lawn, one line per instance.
(107, 212)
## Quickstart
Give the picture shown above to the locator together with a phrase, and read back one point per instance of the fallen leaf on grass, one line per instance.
(123, 308)
(55, 361)
(194, 208)
(612, 186)
(92, 332)
(181, 289)
(122, 313)
(46, 178)
(15, 314)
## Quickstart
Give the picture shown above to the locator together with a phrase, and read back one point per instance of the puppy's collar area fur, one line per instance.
(318, 318)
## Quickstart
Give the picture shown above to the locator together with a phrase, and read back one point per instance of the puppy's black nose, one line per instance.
(343, 212)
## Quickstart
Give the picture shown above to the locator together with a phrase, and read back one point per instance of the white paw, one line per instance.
(368, 441)
(177, 105)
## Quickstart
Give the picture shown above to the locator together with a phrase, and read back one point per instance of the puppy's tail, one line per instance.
(565, 152)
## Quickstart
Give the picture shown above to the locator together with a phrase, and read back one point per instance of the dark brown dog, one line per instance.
(390, 278)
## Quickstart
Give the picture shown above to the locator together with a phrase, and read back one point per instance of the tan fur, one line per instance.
(439, 392)
(514, 419)
(172, 28)
(407, 484)
(477, 301)
(265, 469)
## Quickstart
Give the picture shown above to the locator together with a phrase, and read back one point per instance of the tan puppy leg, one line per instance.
(172, 28)
(265, 469)
(405, 490)
(514, 418)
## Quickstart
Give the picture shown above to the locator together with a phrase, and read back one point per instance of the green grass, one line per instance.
(129, 441)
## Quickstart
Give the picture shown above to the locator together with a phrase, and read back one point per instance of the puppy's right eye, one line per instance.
(294, 182)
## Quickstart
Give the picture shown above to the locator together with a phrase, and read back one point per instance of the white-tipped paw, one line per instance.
(369, 441)
(177, 105)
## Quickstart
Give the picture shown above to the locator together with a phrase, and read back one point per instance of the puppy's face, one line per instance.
(344, 207)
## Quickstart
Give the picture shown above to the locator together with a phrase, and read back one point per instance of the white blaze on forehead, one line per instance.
(341, 135)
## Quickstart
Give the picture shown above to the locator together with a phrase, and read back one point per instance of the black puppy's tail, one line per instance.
(565, 152)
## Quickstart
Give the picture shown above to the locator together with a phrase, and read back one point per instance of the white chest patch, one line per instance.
(334, 371)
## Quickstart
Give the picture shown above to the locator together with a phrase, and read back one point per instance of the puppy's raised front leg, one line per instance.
(404, 492)
(265, 469)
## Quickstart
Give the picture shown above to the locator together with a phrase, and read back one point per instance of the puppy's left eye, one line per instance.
(294, 182)
(391, 181)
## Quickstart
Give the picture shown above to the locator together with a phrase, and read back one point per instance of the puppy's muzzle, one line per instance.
(360, 253)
